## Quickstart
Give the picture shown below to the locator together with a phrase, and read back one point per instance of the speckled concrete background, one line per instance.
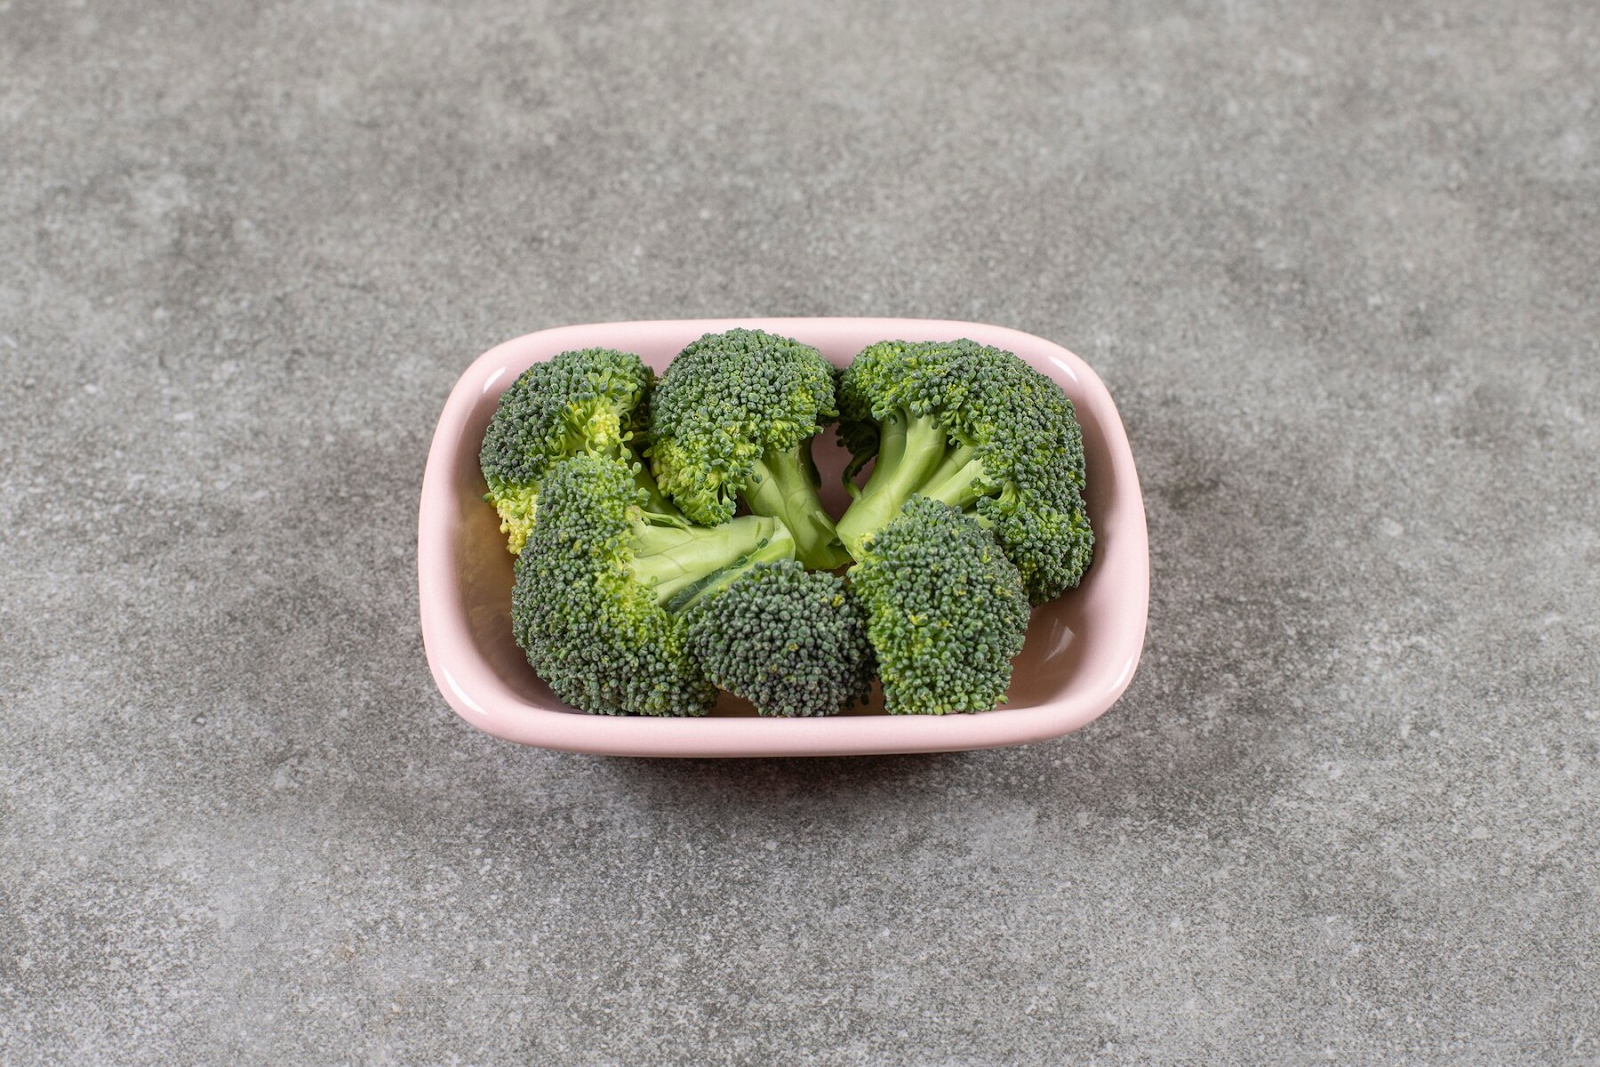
(1339, 265)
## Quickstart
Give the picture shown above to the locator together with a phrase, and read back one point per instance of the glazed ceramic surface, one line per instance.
(1081, 649)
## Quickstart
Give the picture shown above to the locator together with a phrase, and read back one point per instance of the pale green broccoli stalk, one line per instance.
(946, 611)
(602, 584)
(790, 641)
(733, 417)
(592, 402)
(976, 428)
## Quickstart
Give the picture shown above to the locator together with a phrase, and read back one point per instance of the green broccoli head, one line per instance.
(590, 402)
(733, 417)
(602, 584)
(791, 641)
(976, 428)
(946, 611)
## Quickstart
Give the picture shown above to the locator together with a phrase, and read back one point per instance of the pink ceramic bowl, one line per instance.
(1081, 649)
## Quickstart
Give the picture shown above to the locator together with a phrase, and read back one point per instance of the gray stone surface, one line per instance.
(1340, 265)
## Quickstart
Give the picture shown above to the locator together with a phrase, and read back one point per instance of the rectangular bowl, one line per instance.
(1081, 649)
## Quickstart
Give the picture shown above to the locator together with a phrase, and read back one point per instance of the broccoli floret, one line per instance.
(734, 416)
(791, 641)
(946, 611)
(591, 402)
(976, 428)
(603, 582)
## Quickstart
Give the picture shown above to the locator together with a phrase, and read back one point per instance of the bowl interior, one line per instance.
(1063, 636)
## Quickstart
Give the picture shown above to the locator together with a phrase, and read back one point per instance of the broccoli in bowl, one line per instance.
(672, 543)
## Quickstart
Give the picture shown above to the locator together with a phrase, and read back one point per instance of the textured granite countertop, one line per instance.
(1339, 265)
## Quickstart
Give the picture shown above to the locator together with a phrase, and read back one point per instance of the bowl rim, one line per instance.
(471, 687)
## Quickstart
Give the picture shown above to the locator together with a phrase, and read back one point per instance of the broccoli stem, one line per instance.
(680, 564)
(954, 481)
(784, 486)
(863, 451)
(910, 450)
